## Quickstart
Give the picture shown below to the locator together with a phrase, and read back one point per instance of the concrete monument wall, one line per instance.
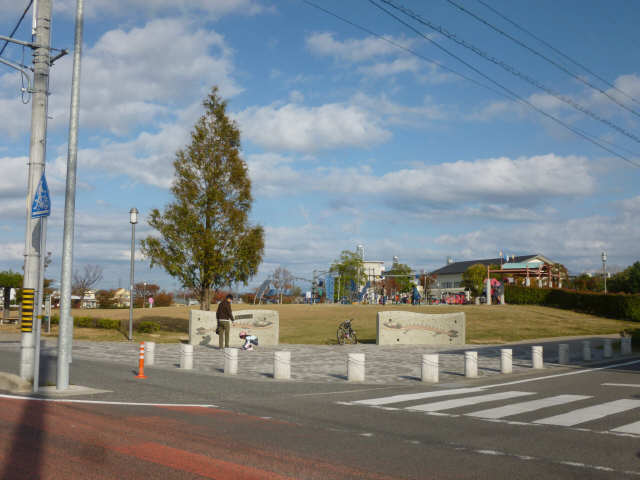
(265, 324)
(408, 328)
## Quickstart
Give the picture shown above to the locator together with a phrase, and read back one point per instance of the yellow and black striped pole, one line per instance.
(28, 295)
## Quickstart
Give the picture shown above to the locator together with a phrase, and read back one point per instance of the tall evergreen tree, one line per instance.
(205, 239)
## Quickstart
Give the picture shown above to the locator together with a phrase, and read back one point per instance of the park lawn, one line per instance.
(316, 324)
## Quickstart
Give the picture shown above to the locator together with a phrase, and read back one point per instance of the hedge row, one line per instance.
(620, 306)
(90, 322)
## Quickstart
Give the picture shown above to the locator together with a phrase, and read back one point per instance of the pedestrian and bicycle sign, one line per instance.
(41, 206)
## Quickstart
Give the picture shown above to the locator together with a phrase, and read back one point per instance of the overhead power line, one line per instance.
(541, 55)
(563, 55)
(15, 29)
(506, 89)
(403, 47)
(414, 16)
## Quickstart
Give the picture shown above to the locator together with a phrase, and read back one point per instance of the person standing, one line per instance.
(224, 317)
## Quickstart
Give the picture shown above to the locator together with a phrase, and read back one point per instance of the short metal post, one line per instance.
(282, 365)
(563, 353)
(506, 360)
(186, 356)
(231, 361)
(430, 368)
(355, 367)
(471, 364)
(537, 360)
(149, 353)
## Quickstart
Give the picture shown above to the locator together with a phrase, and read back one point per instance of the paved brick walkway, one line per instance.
(327, 363)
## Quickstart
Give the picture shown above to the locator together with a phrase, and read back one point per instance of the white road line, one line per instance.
(632, 385)
(415, 396)
(98, 402)
(463, 402)
(631, 428)
(524, 407)
(588, 414)
(558, 375)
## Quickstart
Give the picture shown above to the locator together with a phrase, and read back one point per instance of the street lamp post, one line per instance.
(604, 270)
(133, 219)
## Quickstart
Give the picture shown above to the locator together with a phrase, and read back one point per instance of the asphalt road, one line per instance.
(569, 423)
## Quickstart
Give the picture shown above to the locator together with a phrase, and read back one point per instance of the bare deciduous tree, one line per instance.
(84, 280)
(282, 280)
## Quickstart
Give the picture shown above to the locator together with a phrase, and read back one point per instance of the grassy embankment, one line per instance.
(316, 324)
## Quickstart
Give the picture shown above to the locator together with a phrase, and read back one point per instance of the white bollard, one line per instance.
(563, 353)
(355, 367)
(230, 361)
(608, 348)
(282, 365)
(536, 357)
(488, 287)
(186, 356)
(471, 364)
(149, 353)
(625, 345)
(502, 302)
(586, 350)
(430, 368)
(506, 360)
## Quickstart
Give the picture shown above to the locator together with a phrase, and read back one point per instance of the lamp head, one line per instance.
(133, 216)
(604, 256)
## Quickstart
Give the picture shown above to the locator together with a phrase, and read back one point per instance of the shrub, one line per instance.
(624, 307)
(90, 322)
(163, 299)
(148, 327)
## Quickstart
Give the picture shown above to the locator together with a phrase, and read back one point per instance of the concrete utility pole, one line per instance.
(65, 332)
(37, 154)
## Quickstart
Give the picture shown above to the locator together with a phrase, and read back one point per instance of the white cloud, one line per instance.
(298, 128)
(134, 77)
(272, 175)
(501, 180)
(576, 242)
(352, 50)
(385, 69)
(11, 251)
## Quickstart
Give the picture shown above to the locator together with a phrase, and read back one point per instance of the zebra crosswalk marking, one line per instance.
(416, 396)
(630, 428)
(588, 414)
(524, 407)
(463, 402)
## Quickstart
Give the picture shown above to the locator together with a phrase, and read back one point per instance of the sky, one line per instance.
(354, 133)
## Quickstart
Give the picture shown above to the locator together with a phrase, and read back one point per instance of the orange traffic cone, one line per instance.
(141, 362)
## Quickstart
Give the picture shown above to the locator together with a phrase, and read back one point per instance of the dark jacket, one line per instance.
(224, 311)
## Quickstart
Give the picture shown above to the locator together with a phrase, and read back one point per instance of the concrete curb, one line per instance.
(14, 384)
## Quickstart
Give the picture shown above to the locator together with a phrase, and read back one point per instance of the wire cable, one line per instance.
(541, 55)
(563, 55)
(402, 47)
(506, 89)
(510, 69)
(15, 29)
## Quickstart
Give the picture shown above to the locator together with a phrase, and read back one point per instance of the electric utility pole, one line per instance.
(37, 153)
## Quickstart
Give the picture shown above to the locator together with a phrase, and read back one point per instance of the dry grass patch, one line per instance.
(317, 324)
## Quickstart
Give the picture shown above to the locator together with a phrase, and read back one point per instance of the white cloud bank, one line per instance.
(294, 127)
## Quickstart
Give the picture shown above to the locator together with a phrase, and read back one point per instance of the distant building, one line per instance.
(449, 277)
(122, 297)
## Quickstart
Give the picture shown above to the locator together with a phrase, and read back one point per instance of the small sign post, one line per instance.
(40, 208)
